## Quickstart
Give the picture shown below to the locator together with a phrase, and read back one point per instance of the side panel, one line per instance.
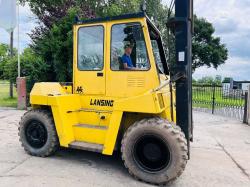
(40, 92)
(90, 119)
(88, 134)
(64, 120)
(112, 133)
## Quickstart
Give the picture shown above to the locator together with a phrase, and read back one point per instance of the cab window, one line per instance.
(90, 48)
(158, 50)
(157, 56)
(128, 48)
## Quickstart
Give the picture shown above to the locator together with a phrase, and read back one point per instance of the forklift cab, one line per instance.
(98, 50)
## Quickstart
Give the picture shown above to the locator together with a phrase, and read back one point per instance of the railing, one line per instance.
(222, 100)
(5, 97)
(6, 88)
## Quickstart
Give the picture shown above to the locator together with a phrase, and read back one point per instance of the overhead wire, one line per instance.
(171, 6)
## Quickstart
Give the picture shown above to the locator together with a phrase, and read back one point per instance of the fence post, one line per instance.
(11, 89)
(248, 106)
(213, 99)
(245, 115)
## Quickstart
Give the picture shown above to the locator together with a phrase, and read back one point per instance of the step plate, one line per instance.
(91, 126)
(86, 146)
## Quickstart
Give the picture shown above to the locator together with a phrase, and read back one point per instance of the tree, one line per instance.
(4, 51)
(4, 57)
(207, 49)
(32, 67)
(4, 48)
(56, 48)
(206, 80)
(218, 79)
(210, 80)
(52, 39)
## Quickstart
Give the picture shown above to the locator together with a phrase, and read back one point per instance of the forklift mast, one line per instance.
(182, 24)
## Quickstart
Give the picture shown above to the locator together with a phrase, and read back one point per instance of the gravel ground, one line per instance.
(220, 156)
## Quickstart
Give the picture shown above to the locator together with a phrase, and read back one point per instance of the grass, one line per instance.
(5, 100)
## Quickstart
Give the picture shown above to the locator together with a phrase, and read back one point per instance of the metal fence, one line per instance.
(6, 89)
(222, 100)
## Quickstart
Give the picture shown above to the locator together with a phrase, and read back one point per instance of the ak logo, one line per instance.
(79, 90)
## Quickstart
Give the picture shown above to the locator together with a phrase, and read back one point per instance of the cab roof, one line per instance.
(120, 17)
(105, 19)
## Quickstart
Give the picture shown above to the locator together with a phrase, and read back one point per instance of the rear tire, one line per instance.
(154, 151)
(37, 133)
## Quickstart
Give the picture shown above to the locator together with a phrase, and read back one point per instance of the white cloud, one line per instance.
(237, 68)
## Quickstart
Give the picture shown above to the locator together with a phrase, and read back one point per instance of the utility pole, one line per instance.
(11, 55)
(18, 43)
(20, 81)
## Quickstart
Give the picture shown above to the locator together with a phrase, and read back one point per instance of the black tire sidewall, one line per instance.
(47, 122)
(176, 153)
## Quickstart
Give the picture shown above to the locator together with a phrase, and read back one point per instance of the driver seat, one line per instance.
(121, 67)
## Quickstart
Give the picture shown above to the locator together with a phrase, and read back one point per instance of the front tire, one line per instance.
(37, 133)
(154, 151)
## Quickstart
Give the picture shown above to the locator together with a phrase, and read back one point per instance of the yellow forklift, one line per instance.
(123, 97)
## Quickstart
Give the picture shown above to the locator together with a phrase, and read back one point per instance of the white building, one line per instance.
(231, 88)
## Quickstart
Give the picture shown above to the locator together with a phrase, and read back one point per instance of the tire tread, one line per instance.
(165, 125)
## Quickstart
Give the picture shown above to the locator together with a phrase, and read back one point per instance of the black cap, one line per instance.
(128, 46)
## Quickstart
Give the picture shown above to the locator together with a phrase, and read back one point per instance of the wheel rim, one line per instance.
(36, 134)
(151, 153)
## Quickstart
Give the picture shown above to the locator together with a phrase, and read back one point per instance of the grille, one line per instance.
(136, 82)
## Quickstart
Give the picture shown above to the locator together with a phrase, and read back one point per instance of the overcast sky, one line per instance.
(232, 24)
(229, 17)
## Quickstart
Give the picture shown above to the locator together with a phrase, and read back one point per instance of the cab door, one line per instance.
(143, 75)
(89, 59)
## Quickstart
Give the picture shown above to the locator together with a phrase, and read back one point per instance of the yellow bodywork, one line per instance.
(108, 104)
